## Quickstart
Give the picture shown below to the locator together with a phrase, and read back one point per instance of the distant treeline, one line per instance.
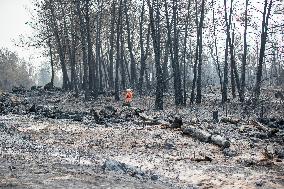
(13, 71)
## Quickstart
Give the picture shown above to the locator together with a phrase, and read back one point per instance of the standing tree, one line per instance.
(156, 38)
(264, 30)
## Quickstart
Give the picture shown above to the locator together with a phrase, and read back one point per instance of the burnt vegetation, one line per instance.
(208, 105)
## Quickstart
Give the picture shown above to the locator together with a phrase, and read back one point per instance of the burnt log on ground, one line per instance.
(270, 131)
(199, 134)
(205, 136)
(220, 141)
(206, 158)
(230, 120)
(272, 122)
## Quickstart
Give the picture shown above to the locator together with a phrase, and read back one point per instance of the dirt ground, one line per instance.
(72, 149)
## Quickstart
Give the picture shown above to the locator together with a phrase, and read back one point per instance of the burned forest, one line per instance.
(160, 94)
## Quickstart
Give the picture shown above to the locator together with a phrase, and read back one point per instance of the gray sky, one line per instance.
(13, 16)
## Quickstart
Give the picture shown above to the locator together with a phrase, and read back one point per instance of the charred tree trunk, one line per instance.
(118, 53)
(184, 54)
(168, 49)
(123, 65)
(192, 95)
(216, 51)
(89, 45)
(225, 82)
(133, 74)
(51, 62)
(244, 58)
(175, 61)
(111, 81)
(84, 49)
(198, 90)
(60, 47)
(264, 29)
(142, 51)
(156, 37)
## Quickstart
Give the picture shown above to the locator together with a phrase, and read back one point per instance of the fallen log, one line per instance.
(148, 120)
(220, 141)
(145, 117)
(199, 134)
(205, 136)
(206, 158)
(230, 120)
(260, 126)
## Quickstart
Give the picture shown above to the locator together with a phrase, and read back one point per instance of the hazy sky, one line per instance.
(13, 16)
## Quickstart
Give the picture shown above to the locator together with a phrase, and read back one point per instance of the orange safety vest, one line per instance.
(128, 96)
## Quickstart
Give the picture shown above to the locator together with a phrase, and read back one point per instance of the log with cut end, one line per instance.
(220, 141)
(148, 120)
(258, 125)
(205, 136)
(230, 120)
(199, 134)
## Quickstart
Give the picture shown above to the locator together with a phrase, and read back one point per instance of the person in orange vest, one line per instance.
(128, 95)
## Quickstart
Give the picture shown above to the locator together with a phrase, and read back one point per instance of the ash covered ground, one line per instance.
(50, 139)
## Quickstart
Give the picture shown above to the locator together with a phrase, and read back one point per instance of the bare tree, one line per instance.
(264, 30)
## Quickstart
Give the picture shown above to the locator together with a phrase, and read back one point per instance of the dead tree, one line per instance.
(60, 47)
(133, 74)
(111, 42)
(264, 30)
(83, 48)
(118, 54)
(156, 38)
(244, 58)
(198, 90)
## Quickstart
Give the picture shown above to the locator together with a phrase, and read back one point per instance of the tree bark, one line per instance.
(133, 74)
(198, 90)
(60, 47)
(84, 49)
(192, 95)
(51, 62)
(244, 58)
(264, 29)
(118, 53)
(111, 81)
(155, 31)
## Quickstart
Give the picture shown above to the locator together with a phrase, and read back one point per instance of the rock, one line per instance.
(48, 86)
(259, 183)
(107, 112)
(112, 165)
(18, 89)
(97, 117)
(279, 95)
(7, 129)
(33, 108)
(176, 123)
(169, 146)
(122, 168)
(33, 88)
(279, 152)
(229, 152)
(154, 177)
